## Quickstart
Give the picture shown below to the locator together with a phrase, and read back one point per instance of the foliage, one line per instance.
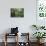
(42, 27)
(37, 28)
(39, 35)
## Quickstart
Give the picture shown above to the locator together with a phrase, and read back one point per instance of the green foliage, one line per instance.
(41, 14)
(39, 35)
(42, 10)
(37, 28)
(42, 27)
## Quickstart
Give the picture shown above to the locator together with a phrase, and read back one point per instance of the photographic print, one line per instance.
(17, 12)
